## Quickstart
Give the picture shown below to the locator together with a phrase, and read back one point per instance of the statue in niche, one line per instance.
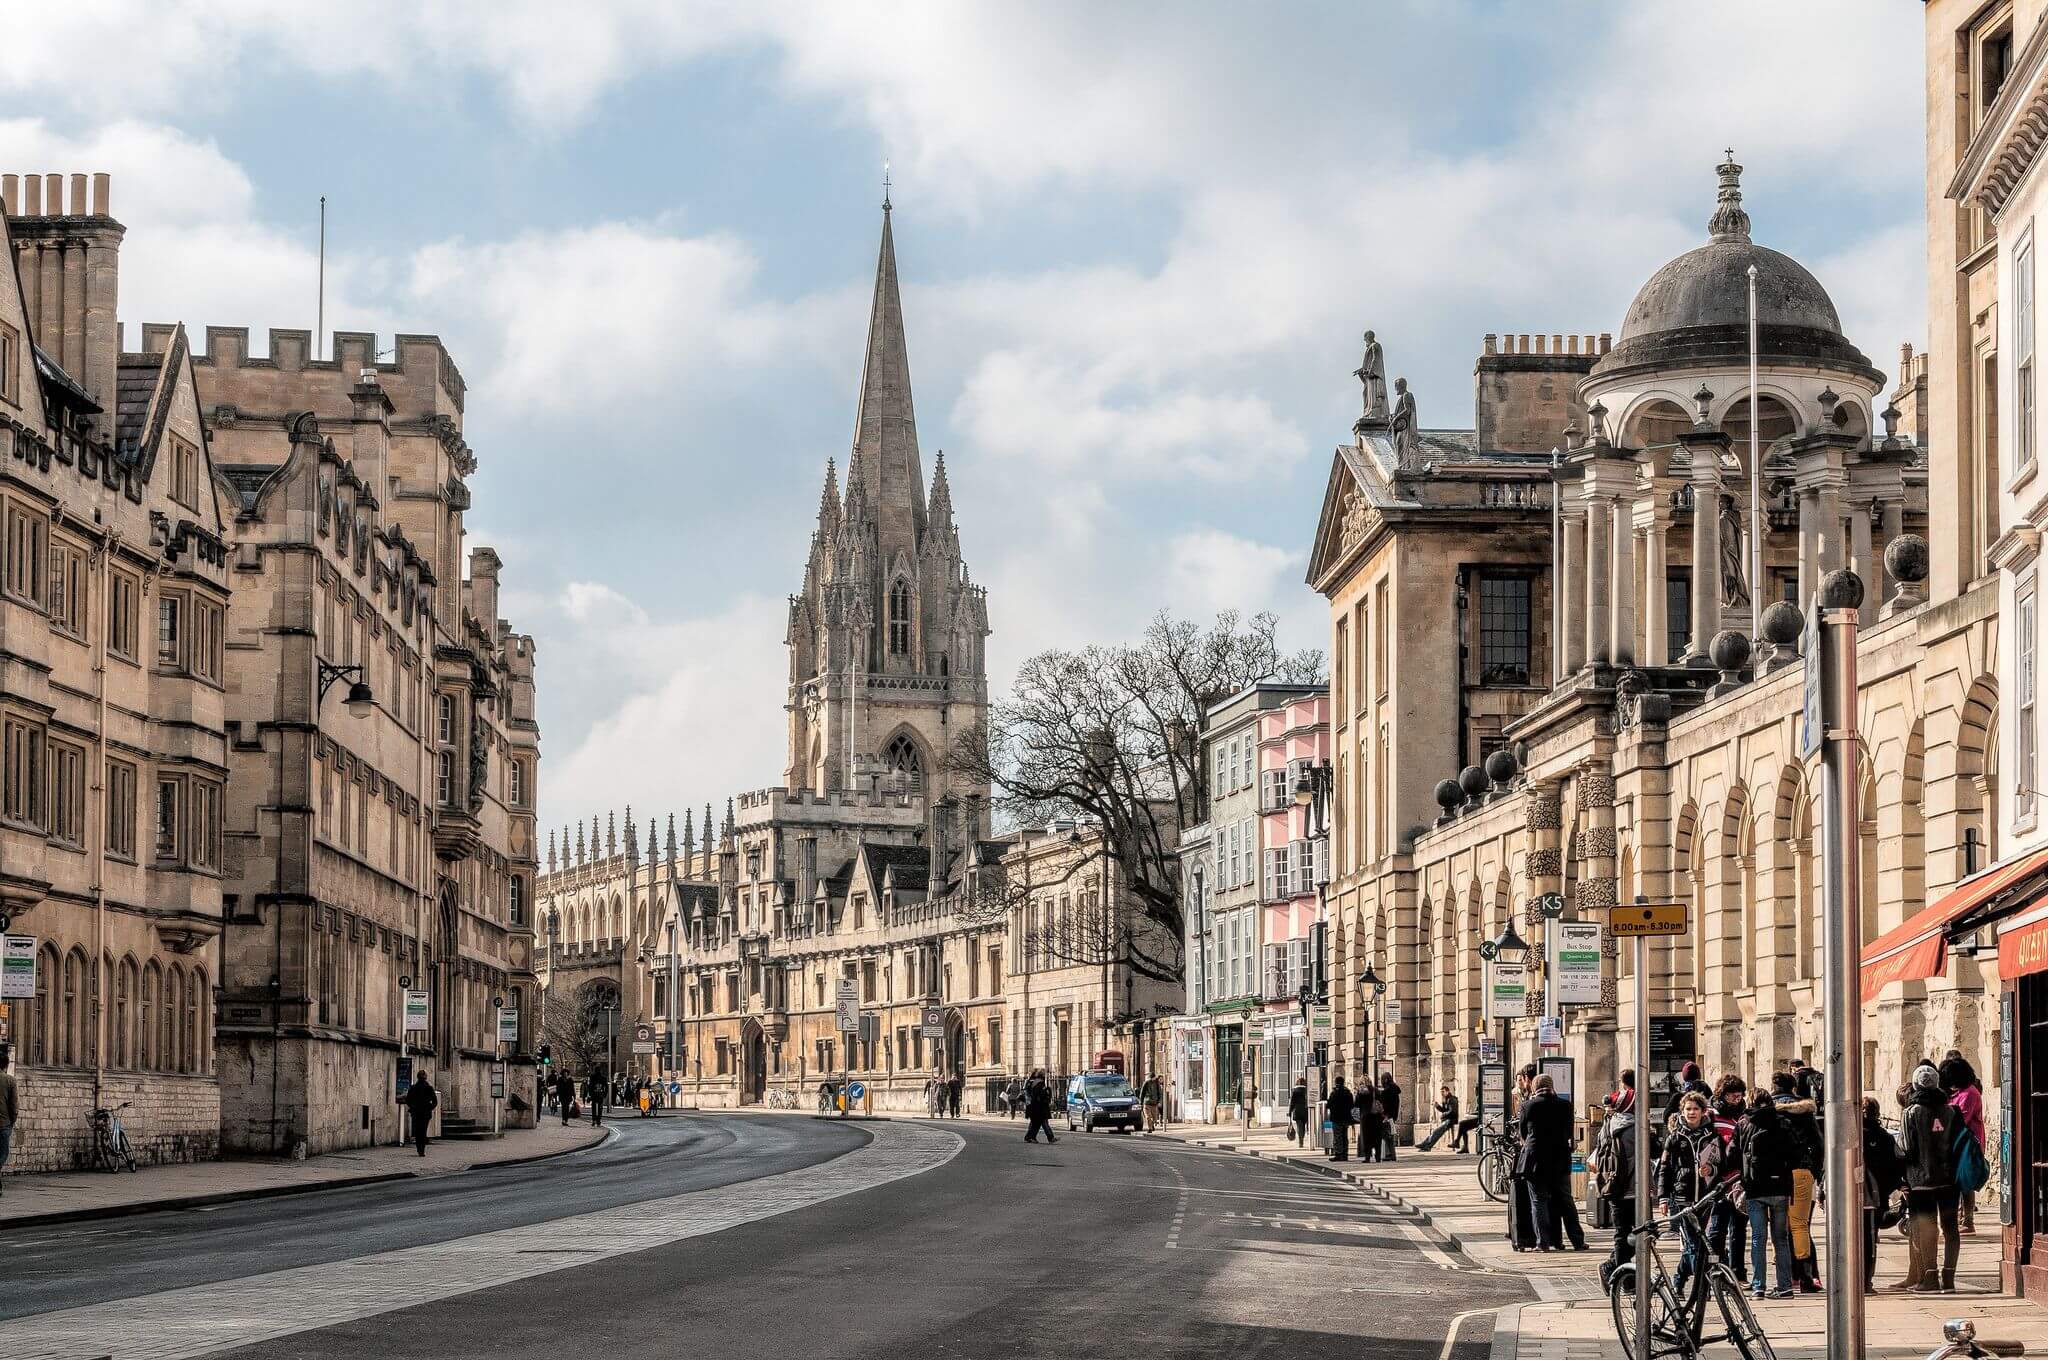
(1407, 441)
(479, 761)
(1372, 375)
(1734, 577)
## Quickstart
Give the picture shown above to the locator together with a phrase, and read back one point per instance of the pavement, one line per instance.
(1570, 1319)
(749, 1234)
(61, 1197)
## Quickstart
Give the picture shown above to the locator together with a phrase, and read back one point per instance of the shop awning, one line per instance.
(1918, 949)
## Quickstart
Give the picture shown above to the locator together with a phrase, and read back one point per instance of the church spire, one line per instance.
(828, 501)
(885, 428)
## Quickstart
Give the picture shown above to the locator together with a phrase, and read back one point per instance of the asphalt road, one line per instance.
(1099, 1245)
(92, 1262)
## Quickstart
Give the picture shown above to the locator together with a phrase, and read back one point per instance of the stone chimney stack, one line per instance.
(69, 257)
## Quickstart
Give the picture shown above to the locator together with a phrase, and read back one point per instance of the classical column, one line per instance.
(1809, 550)
(1894, 517)
(1573, 644)
(1599, 570)
(1656, 627)
(1706, 567)
(1623, 646)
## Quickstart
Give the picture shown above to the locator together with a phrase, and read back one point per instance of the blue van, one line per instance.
(1103, 1100)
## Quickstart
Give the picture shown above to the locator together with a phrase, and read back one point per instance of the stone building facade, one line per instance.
(113, 594)
(366, 848)
(1656, 749)
(873, 860)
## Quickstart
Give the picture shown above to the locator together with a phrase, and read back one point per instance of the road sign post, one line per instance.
(1639, 921)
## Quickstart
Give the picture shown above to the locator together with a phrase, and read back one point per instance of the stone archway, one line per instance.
(955, 1052)
(753, 1063)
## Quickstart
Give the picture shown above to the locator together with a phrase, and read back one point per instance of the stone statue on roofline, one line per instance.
(1372, 376)
(1407, 439)
(1734, 571)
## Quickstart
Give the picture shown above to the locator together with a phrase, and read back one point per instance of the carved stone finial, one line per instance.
(1781, 626)
(1597, 414)
(1729, 222)
(1906, 561)
(1703, 401)
(1890, 415)
(1448, 796)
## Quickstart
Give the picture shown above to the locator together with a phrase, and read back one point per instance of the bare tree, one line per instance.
(579, 1029)
(1108, 736)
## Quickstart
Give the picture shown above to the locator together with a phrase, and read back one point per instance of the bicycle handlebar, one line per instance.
(1691, 1211)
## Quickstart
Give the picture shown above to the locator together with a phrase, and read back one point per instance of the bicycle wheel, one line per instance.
(1744, 1332)
(1493, 1174)
(1667, 1337)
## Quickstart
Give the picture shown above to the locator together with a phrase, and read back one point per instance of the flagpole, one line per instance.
(1756, 479)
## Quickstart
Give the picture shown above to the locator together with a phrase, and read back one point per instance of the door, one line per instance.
(1229, 1066)
(956, 1047)
(756, 1079)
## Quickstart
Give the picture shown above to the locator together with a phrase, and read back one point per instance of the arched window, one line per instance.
(166, 1023)
(195, 1012)
(899, 618)
(74, 1010)
(903, 758)
(42, 1032)
(124, 995)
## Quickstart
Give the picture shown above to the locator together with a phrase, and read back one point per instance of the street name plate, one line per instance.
(1646, 918)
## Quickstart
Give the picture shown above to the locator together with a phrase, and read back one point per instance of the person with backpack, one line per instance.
(1765, 1152)
(1728, 1224)
(1615, 1175)
(1966, 1096)
(1796, 1112)
(1687, 1171)
(1931, 1193)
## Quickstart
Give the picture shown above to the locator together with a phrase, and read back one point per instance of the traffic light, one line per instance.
(547, 1056)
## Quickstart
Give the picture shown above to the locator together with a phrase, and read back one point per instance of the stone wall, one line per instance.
(169, 1118)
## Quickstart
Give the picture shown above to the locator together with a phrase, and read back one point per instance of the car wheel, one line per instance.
(1088, 1124)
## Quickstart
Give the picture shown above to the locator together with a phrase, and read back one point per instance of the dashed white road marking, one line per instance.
(204, 1318)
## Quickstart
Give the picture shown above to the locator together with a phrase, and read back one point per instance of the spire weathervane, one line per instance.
(885, 186)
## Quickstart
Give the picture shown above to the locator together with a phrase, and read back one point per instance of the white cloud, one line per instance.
(1211, 570)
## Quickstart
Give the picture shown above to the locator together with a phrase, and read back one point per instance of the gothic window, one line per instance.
(902, 758)
(899, 619)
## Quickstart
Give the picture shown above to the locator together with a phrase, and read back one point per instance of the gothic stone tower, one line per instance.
(887, 639)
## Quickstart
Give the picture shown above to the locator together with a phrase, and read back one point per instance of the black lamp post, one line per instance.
(1511, 949)
(1371, 988)
(1312, 795)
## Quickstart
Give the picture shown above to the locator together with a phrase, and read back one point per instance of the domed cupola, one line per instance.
(1694, 312)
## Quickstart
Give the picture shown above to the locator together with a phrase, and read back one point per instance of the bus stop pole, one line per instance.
(1841, 593)
(1644, 1207)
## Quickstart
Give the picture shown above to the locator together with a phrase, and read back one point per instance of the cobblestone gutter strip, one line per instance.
(207, 1318)
(176, 1202)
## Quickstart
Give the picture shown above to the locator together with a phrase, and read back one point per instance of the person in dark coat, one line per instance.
(1371, 1117)
(1340, 1120)
(1297, 1111)
(1931, 1193)
(1687, 1170)
(1615, 1175)
(1884, 1175)
(1797, 1109)
(1765, 1151)
(1446, 1121)
(1038, 1107)
(595, 1089)
(1547, 1166)
(1390, 1114)
(420, 1100)
(954, 1084)
(565, 1094)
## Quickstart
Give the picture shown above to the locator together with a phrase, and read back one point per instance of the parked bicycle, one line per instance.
(1959, 1342)
(1678, 1324)
(109, 1148)
(1500, 1146)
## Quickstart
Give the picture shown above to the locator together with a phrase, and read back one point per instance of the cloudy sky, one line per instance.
(1138, 243)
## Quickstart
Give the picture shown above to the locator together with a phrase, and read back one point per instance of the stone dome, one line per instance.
(1695, 310)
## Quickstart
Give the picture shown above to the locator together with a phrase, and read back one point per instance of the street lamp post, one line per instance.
(1512, 950)
(1312, 796)
(1370, 985)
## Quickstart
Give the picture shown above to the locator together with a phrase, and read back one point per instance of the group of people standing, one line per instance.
(942, 1096)
(1765, 1152)
(1373, 1108)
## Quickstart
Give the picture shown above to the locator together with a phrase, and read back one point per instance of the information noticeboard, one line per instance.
(1574, 953)
(1493, 1089)
(1674, 1042)
(1561, 1073)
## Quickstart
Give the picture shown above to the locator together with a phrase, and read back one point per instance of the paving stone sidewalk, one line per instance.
(61, 1196)
(1570, 1319)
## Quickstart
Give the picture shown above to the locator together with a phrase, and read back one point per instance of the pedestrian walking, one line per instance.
(1688, 1168)
(1615, 1176)
(1038, 1107)
(1297, 1112)
(1340, 1110)
(595, 1089)
(1931, 1194)
(1764, 1151)
(1153, 1096)
(1547, 1166)
(565, 1094)
(1013, 1096)
(420, 1100)
(10, 1109)
(1966, 1096)
(1370, 1116)
(954, 1085)
(1446, 1119)
(1390, 1114)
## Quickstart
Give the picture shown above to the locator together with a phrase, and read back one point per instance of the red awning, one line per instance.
(1919, 948)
